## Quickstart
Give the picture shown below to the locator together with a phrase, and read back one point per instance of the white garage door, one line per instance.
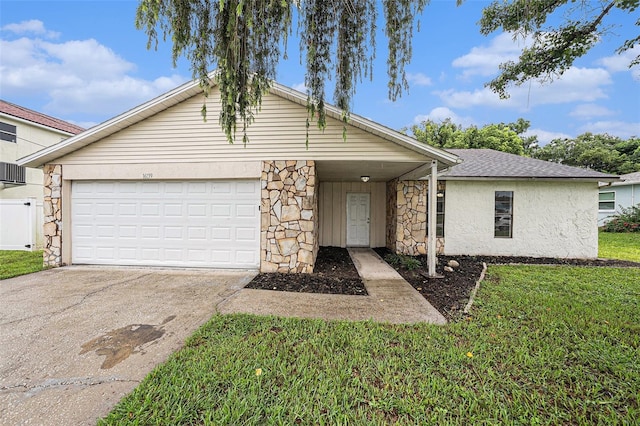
(172, 223)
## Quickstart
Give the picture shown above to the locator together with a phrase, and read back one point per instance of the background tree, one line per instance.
(242, 39)
(500, 137)
(599, 152)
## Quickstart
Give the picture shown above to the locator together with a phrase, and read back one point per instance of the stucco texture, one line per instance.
(550, 219)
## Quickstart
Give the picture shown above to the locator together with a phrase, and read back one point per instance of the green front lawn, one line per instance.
(545, 345)
(14, 263)
(625, 246)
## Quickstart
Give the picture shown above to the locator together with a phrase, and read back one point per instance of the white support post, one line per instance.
(431, 219)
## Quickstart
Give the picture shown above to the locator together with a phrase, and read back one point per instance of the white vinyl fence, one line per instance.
(21, 224)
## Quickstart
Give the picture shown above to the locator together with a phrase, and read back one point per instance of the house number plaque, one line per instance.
(147, 176)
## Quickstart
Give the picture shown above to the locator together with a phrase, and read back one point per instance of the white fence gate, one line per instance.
(21, 224)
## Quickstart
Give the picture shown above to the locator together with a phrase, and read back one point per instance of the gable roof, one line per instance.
(38, 118)
(490, 164)
(628, 179)
(193, 88)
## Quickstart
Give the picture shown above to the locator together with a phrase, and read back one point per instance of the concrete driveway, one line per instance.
(75, 340)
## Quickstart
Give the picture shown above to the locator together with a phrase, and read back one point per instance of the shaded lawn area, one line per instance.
(625, 246)
(544, 345)
(14, 263)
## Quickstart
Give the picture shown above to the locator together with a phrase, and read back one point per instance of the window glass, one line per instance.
(503, 214)
(439, 210)
(7, 132)
(607, 201)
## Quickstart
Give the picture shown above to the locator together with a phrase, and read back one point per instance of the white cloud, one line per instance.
(484, 60)
(620, 129)
(620, 62)
(544, 136)
(418, 79)
(32, 26)
(575, 85)
(300, 87)
(440, 114)
(587, 111)
(79, 76)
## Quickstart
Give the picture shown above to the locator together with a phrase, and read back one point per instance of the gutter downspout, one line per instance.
(431, 219)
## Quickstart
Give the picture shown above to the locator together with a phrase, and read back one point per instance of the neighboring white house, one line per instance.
(23, 132)
(622, 194)
(159, 186)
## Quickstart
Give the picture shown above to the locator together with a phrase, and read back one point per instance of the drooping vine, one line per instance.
(243, 40)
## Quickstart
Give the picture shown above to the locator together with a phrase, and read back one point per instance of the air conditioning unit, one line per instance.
(12, 173)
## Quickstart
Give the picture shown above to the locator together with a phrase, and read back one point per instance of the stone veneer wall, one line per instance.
(52, 255)
(407, 218)
(289, 216)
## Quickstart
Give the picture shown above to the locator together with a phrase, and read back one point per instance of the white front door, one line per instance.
(358, 219)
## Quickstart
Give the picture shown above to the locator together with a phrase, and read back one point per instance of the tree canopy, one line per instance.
(245, 39)
(506, 137)
(601, 152)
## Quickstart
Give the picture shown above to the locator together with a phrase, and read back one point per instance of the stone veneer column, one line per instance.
(52, 255)
(407, 222)
(411, 231)
(289, 216)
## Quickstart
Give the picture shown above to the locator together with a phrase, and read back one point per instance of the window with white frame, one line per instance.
(607, 201)
(439, 210)
(503, 226)
(8, 132)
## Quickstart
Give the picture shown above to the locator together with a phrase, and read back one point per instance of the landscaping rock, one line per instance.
(453, 264)
(448, 269)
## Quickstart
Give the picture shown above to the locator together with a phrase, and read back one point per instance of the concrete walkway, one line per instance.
(391, 298)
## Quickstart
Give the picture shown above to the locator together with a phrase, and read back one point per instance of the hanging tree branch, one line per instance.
(242, 40)
(554, 49)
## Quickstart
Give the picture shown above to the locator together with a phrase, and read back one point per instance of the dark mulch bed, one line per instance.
(450, 294)
(334, 273)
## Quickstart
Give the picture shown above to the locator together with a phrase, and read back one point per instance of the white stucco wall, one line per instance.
(550, 219)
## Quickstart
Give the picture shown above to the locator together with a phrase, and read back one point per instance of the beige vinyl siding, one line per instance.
(179, 134)
(332, 208)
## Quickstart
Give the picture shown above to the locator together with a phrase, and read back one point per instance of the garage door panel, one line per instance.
(172, 210)
(127, 209)
(200, 224)
(221, 234)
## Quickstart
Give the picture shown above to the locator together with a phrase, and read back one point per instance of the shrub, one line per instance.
(628, 220)
(407, 262)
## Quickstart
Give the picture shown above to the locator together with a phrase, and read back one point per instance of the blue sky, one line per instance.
(84, 62)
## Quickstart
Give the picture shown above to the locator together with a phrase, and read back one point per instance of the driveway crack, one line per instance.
(32, 389)
(81, 301)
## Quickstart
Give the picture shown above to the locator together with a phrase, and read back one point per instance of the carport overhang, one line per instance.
(377, 171)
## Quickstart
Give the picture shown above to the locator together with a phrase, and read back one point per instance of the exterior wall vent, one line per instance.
(12, 173)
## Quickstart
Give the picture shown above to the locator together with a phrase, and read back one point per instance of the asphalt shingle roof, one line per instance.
(487, 163)
(629, 179)
(38, 118)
